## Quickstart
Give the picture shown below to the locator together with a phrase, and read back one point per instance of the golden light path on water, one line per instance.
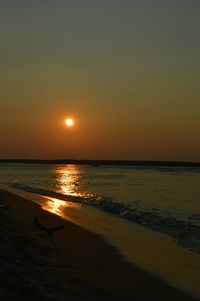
(67, 181)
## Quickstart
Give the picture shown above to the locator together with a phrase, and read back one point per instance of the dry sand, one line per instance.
(70, 264)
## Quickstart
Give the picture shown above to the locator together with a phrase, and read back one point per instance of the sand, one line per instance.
(69, 264)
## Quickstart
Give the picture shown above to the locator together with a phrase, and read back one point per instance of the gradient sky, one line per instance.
(128, 71)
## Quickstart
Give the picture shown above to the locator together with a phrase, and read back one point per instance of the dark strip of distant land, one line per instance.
(105, 162)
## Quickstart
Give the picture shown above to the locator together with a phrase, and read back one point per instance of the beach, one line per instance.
(68, 264)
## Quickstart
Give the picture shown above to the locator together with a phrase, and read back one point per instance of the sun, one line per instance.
(69, 122)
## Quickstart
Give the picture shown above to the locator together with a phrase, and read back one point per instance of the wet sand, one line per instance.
(69, 264)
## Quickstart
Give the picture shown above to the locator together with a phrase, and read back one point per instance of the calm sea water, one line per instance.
(173, 192)
(169, 197)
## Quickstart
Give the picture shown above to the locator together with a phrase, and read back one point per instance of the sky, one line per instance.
(128, 72)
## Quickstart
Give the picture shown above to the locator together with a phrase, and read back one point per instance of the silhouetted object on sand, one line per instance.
(44, 228)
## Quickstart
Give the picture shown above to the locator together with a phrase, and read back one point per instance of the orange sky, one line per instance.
(127, 72)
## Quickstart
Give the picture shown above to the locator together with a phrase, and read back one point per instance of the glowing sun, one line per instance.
(69, 122)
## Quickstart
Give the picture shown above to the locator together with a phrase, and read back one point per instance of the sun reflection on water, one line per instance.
(68, 182)
(58, 207)
(68, 179)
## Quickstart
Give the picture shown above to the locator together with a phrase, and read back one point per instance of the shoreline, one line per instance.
(185, 235)
(70, 264)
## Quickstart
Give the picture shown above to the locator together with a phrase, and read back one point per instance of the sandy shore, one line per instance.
(70, 264)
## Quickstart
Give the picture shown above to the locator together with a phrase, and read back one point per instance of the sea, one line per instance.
(150, 214)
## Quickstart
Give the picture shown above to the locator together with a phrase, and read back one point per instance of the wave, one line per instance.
(185, 233)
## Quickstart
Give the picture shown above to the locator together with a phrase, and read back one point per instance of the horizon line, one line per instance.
(180, 163)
